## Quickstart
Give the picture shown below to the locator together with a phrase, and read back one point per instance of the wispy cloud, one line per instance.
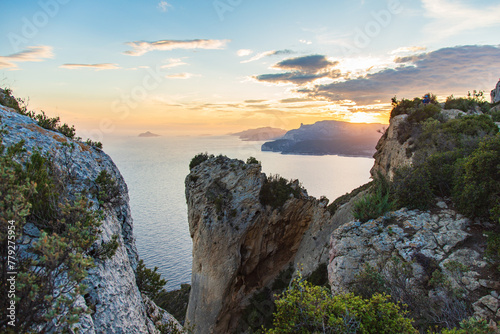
(268, 54)
(303, 41)
(164, 6)
(244, 52)
(141, 47)
(97, 67)
(182, 76)
(408, 49)
(455, 17)
(32, 54)
(173, 62)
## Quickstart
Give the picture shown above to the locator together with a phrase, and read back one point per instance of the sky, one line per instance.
(195, 67)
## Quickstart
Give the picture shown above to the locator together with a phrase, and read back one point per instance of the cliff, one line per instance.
(112, 299)
(328, 137)
(241, 245)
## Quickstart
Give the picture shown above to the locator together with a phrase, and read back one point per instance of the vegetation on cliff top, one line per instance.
(50, 123)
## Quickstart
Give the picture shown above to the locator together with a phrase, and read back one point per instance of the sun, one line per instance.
(364, 117)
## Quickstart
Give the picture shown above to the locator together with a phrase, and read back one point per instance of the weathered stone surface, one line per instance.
(413, 236)
(239, 245)
(112, 290)
(390, 152)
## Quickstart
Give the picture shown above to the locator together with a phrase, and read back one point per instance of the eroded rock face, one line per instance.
(426, 241)
(392, 149)
(239, 245)
(113, 296)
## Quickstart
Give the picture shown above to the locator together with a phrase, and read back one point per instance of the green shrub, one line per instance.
(477, 189)
(474, 100)
(276, 190)
(175, 302)
(198, 159)
(471, 325)
(411, 188)
(252, 160)
(375, 203)
(368, 282)
(423, 112)
(337, 203)
(92, 143)
(149, 281)
(305, 308)
(106, 188)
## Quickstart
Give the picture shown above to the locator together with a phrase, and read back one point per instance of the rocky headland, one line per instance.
(329, 137)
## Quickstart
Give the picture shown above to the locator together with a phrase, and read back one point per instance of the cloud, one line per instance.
(302, 70)
(182, 76)
(97, 67)
(164, 6)
(443, 71)
(268, 54)
(173, 62)
(142, 47)
(312, 63)
(454, 17)
(32, 54)
(244, 52)
(303, 41)
(408, 49)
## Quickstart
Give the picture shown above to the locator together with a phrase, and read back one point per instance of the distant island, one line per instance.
(260, 134)
(329, 137)
(148, 134)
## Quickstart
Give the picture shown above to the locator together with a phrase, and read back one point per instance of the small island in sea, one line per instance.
(148, 134)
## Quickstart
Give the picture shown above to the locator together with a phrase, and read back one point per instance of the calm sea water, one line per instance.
(155, 169)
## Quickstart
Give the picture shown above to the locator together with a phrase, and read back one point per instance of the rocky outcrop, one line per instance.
(395, 147)
(240, 245)
(426, 241)
(392, 149)
(495, 93)
(328, 137)
(112, 296)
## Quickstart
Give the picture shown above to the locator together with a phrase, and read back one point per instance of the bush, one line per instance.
(477, 188)
(305, 308)
(198, 159)
(175, 302)
(106, 188)
(474, 100)
(411, 188)
(252, 160)
(149, 281)
(333, 207)
(276, 191)
(92, 143)
(375, 203)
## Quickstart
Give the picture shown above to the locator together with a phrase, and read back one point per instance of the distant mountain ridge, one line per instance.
(259, 134)
(148, 134)
(329, 137)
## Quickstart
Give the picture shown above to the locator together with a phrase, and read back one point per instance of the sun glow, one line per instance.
(364, 117)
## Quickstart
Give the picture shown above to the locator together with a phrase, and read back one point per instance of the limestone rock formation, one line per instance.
(240, 245)
(112, 295)
(427, 241)
(394, 149)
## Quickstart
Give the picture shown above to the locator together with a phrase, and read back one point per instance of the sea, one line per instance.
(155, 168)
